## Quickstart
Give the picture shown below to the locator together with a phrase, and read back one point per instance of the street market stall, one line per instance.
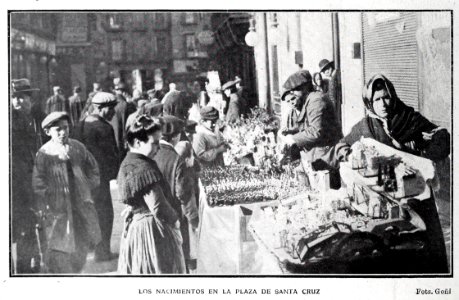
(385, 221)
(261, 214)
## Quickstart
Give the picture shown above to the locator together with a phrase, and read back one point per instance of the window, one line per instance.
(159, 21)
(117, 50)
(274, 21)
(154, 47)
(191, 18)
(115, 21)
(161, 46)
(138, 21)
(191, 45)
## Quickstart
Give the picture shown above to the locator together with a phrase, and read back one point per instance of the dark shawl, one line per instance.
(136, 176)
(405, 126)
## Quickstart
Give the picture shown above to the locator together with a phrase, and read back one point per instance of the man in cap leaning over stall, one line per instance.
(174, 170)
(97, 134)
(314, 127)
(64, 178)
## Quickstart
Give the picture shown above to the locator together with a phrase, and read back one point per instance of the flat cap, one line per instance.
(171, 125)
(53, 117)
(190, 126)
(56, 88)
(209, 113)
(295, 80)
(104, 99)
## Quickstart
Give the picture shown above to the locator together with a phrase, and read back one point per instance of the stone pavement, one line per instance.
(109, 267)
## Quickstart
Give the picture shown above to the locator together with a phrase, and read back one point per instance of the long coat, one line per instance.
(57, 103)
(174, 170)
(122, 111)
(76, 107)
(318, 126)
(52, 189)
(97, 134)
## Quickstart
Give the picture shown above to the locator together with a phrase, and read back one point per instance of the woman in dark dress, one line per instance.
(151, 241)
(393, 123)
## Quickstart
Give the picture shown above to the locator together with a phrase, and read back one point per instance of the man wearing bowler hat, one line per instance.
(97, 134)
(314, 125)
(174, 170)
(334, 89)
(25, 141)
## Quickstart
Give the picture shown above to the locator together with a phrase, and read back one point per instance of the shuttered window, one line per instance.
(390, 48)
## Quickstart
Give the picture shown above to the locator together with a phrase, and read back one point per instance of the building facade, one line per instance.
(33, 49)
(100, 47)
(413, 49)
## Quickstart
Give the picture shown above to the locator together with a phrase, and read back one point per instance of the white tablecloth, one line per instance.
(225, 244)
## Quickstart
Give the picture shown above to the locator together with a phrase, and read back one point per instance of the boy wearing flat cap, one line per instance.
(97, 134)
(208, 143)
(313, 126)
(64, 178)
(174, 170)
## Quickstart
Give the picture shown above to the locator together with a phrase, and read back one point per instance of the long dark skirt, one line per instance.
(150, 247)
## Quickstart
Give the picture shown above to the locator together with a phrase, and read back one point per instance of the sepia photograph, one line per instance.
(231, 143)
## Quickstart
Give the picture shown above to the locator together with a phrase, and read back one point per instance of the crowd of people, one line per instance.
(155, 145)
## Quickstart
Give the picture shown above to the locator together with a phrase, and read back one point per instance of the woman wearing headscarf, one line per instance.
(151, 242)
(393, 123)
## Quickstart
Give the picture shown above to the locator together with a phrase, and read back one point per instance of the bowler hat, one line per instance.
(296, 80)
(22, 85)
(171, 125)
(53, 117)
(325, 64)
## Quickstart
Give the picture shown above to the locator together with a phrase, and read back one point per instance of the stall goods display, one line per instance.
(310, 227)
(310, 219)
(238, 184)
(393, 175)
(253, 136)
